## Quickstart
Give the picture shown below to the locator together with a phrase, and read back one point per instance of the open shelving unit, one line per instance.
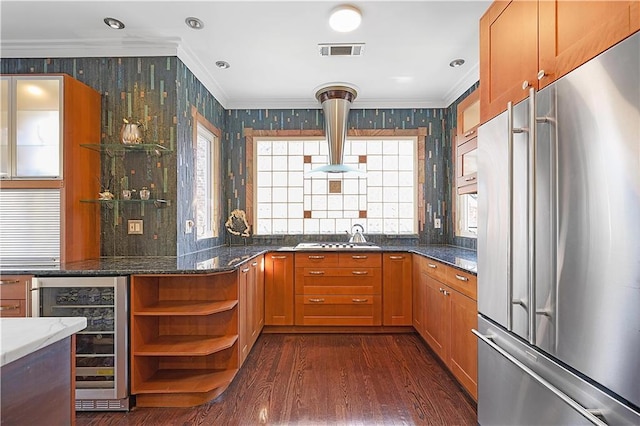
(184, 337)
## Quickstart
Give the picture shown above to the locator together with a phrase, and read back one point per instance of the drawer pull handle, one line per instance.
(9, 307)
(461, 278)
(469, 133)
(316, 272)
(9, 282)
(359, 272)
(396, 257)
(316, 300)
(469, 179)
(278, 257)
(254, 264)
(316, 257)
(432, 265)
(359, 257)
(245, 270)
(359, 300)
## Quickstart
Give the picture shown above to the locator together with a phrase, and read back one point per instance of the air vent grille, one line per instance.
(353, 49)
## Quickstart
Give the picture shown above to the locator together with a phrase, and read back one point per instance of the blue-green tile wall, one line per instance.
(140, 88)
(162, 90)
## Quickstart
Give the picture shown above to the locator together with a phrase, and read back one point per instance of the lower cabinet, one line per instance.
(342, 289)
(251, 301)
(14, 295)
(397, 279)
(445, 311)
(184, 337)
(278, 287)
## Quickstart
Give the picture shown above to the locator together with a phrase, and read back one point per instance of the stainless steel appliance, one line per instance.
(331, 246)
(102, 348)
(559, 250)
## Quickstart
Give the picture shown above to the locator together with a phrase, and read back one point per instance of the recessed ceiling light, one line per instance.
(114, 23)
(194, 23)
(222, 65)
(345, 18)
(456, 63)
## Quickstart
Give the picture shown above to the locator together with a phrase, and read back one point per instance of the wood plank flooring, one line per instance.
(324, 379)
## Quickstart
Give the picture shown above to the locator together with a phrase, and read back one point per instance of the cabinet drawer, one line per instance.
(320, 258)
(461, 281)
(435, 269)
(338, 281)
(338, 310)
(359, 259)
(14, 287)
(13, 308)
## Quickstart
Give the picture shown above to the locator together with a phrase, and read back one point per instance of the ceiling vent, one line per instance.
(352, 49)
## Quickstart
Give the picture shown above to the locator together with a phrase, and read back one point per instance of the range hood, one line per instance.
(336, 102)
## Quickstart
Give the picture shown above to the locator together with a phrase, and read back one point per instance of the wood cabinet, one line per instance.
(468, 116)
(397, 283)
(184, 337)
(251, 302)
(338, 288)
(14, 295)
(278, 288)
(447, 299)
(54, 163)
(529, 44)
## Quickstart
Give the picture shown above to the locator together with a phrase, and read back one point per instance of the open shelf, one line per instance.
(186, 381)
(111, 203)
(119, 148)
(186, 307)
(186, 345)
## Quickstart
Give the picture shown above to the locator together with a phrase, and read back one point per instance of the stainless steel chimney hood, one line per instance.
(336, 102)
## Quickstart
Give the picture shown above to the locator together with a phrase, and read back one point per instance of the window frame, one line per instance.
(214, 203)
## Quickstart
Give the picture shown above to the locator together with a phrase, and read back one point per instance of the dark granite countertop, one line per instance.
(222, 259)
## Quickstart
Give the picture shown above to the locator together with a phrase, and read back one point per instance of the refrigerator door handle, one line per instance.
(533, 153)
(510, 132)
(589, 414)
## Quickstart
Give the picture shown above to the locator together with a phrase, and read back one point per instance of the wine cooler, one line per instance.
(101, 357)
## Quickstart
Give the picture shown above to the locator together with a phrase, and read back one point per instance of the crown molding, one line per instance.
(191, 61)
(467, 80)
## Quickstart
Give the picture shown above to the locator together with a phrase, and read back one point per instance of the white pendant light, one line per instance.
(345, 18)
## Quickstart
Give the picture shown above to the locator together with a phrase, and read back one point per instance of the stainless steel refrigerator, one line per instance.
(559, 250)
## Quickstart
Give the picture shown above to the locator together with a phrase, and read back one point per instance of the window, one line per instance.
(289, 200)
(207, 209)
(467, 215)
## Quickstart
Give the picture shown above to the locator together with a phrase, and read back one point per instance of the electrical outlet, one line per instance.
(437, 223)
(188, 227)
(135, 226)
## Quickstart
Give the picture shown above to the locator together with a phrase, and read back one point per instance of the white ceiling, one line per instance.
(271, 46)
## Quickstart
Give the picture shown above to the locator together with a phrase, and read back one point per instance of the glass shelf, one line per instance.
(119, 148)
(112, 203)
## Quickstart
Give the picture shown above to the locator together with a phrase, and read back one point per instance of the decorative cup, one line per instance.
(126, 194)
(144, 193)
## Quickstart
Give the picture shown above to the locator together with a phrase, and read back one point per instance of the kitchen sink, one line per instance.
(330, 246)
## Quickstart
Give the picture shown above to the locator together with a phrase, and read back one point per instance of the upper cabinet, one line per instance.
(468, 114)
(529, 44)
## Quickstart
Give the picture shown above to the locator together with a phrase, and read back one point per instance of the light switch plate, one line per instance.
(135, 227)
(437, 223)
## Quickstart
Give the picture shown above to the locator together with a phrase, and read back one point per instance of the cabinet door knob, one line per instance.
(445, 292)
(254, 264)
(525, 84)
(461, 278)
(441, 290)
(541, 74)
(245, 270)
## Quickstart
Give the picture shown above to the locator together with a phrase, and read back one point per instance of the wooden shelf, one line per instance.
(186, 381)
(186, 307)
(118, 148)
(186, 345)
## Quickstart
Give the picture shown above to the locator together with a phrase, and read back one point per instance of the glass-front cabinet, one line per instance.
(31, 145)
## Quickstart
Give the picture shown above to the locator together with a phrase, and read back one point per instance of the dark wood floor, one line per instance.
(324, 379)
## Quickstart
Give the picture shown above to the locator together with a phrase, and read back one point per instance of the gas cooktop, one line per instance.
(336, 246)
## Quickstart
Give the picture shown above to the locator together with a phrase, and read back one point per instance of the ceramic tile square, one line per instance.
(335, 187)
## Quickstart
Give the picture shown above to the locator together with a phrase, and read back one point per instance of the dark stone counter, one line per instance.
(222, 259)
